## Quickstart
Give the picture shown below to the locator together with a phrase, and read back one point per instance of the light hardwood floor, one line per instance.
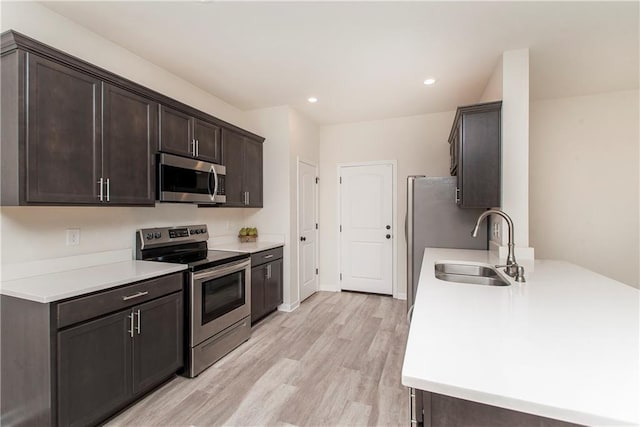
(335, 361)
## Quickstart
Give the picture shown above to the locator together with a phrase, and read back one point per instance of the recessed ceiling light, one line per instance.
(429, 82)
(313, 100)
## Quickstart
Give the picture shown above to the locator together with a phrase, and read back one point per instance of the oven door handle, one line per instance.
(222, 270)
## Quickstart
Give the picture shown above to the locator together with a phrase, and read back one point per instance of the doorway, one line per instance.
(307, 229)
(367, 227)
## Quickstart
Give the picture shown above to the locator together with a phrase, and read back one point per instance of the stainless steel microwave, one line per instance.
(181, 179)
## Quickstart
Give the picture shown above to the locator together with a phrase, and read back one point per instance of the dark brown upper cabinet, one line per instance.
(185, 135)
(475, 148)
(76, 134)
(129, 135)
(63, 139)
(243, 161)
(72, 139)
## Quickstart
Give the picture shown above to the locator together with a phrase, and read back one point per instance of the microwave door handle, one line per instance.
(212, 172)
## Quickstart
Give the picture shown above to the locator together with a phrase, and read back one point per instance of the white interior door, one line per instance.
(307, 239)
(366, 237)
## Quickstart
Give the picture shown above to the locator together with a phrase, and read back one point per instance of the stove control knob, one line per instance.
(157, 235)
(203, 231)
(149, 236)
(192, 231)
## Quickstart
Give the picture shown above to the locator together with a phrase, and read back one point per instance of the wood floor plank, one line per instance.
(335, 361)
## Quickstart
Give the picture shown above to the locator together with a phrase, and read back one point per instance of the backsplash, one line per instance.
(39, 233)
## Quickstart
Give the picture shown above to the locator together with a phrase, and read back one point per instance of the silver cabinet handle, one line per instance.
(410, 314)
(108, 189)
(414, 413)
(248, 194)
(101, 183)
(197, 148)
(457, 195)
(138, 321)
(130, 330)
(136, 295)
(269, 271)
(193, 147)
(268, 256)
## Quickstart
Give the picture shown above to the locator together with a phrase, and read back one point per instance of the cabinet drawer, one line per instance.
(266, 256)
(84, 308)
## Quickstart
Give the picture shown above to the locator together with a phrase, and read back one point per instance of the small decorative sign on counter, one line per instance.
(248, 234)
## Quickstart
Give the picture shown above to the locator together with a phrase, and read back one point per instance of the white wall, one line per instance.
(273, 218)
(305, 140)
(509, 82)
(493, 90)
(419, 144)
(34, 233)
(584, 182)
(515, 143)
(289, 135)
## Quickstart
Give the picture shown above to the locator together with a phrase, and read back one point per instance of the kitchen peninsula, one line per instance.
(564, 345)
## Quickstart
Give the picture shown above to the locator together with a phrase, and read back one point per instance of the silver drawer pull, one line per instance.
(268, 256)
(136, 295)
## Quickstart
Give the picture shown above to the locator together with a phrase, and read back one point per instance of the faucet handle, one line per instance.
(514, 270)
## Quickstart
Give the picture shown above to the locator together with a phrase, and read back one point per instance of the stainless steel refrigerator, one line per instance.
(435, 220)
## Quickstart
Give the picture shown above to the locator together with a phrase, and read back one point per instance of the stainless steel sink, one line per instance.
(469, 273)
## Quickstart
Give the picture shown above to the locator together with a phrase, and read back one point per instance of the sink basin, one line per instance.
(469, 273)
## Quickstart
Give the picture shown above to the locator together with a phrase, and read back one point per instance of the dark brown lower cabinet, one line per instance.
(438, 410)
(94, 369)
(78, 361)
(157, 344)
(266, 283)
(102, 364)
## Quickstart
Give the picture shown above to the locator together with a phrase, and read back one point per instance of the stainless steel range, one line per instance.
(217, 291)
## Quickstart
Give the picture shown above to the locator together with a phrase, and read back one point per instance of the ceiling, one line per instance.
(367, 60)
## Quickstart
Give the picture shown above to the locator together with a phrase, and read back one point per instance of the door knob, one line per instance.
(388, 236)
(388, 227)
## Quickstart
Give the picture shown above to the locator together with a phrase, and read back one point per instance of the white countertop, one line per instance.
(66, 284)
(564, 345)
(248, 247)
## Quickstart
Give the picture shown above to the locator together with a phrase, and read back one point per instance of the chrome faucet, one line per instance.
(511, 268)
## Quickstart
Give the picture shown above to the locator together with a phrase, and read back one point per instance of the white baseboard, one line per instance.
(329, 287)
(288, 308)
(401, 296)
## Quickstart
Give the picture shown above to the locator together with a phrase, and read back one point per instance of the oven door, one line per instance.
(220, 297)
(181, 179)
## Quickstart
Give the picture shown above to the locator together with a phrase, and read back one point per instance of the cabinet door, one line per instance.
(273, 285)
(257, 292)
(157, 343)
(129, 135)
(63, 139)
(209, 143)
(233, 160)
(479, 160)
(94, 369)
(253, 172)
(176, 132)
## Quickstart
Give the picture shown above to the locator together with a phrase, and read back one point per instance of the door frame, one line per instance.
(394, 212)
(317, 234)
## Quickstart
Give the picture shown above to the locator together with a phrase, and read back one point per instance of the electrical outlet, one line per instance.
(73, 236)
(496, 230)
